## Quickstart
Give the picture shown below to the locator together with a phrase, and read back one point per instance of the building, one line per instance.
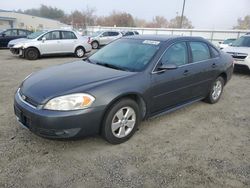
(10, 19)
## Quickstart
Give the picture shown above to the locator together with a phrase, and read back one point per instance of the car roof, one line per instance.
(162, 38)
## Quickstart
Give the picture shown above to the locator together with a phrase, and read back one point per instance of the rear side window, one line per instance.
(200, 51)
(105, 34)
(68, 35)
(176, 54)
(11, 32)
(22, 32)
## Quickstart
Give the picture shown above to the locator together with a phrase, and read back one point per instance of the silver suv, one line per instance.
(101, 38)
(52, 42)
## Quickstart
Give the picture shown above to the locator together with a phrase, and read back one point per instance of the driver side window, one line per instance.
(176, 54)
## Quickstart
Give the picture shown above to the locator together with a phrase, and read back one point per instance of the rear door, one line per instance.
(52, 44)
(204, 67)
(172, 87)
(68, 41)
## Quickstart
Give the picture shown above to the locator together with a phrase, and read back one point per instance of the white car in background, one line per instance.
(101, 38)
(53, 42)
(240, 51)
(226, 43)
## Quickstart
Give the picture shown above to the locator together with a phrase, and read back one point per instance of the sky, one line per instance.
(204, 14)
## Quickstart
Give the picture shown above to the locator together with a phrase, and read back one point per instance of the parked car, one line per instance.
(53, 42)
(10, 34)
(226, 43)
(129, 33)
(31, 36)
(101, 38)
(240, 51)
(131, 79)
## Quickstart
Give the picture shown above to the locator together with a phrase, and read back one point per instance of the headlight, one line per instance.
(70, 102)
(18, 45)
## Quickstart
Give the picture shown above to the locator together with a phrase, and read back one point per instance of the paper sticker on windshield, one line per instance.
(153, 42)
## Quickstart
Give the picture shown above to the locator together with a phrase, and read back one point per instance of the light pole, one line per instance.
(182, 13)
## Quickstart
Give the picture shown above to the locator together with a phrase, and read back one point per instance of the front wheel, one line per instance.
(95, 45)
(215, 91)
(31, 54)
(121, 121)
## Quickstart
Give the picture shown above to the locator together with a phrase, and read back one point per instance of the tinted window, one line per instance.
(129, 33)
(176, 54)
(22, 33)
(242, 41)
(200, 51)
(113, 33)
(54, 35)
(68, 35)
(11, 32)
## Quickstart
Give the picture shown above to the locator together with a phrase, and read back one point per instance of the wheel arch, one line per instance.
(80, 46)
(131, 95)
(224, 76)
(33, 47)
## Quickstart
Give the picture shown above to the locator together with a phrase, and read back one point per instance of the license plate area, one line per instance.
(22, 118)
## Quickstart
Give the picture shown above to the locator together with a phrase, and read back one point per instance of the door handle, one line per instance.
(186, 72)
(214, 65)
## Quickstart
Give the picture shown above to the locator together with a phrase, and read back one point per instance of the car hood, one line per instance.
(68, 78)
(15, 41)
(235, 49)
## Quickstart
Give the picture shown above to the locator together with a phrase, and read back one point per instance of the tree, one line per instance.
(175, 23)
(46, 12)
(120, 19)
(243, 23)
(158, 21)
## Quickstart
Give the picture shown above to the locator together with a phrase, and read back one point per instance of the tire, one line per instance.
(31, 54)
(117, 127)
(216, 91)
(80, 52)
(95, 45)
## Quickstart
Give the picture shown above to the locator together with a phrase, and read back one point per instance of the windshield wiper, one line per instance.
(112, 66)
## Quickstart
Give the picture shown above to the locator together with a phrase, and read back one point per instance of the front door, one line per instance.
(51, 44)
(172, 87)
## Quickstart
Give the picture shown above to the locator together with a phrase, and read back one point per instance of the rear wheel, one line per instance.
(121, 121)
(79, 52)
(95, 45)
(31, 54)
(215, 91)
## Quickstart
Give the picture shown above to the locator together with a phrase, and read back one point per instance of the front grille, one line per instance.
(238, 56)
(28, 99)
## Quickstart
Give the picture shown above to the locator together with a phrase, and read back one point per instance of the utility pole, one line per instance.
(182, 13)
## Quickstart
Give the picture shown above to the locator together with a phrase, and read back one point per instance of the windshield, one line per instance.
(95, 34)
(228, 41)
(242, 42)
(35, 35)
(126, 54)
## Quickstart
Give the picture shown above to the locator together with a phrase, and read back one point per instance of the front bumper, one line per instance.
(243, 63)
(58, 124)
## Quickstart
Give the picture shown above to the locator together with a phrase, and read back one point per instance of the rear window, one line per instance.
(200, 51)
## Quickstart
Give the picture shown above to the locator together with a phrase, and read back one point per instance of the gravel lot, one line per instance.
(201, 145)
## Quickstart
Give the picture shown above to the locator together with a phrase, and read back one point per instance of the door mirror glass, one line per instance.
(167, 66)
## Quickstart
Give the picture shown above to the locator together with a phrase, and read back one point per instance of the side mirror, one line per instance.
(167, 66)
(220, 42)
(3, 34)
(43, 39)
(230, 44)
